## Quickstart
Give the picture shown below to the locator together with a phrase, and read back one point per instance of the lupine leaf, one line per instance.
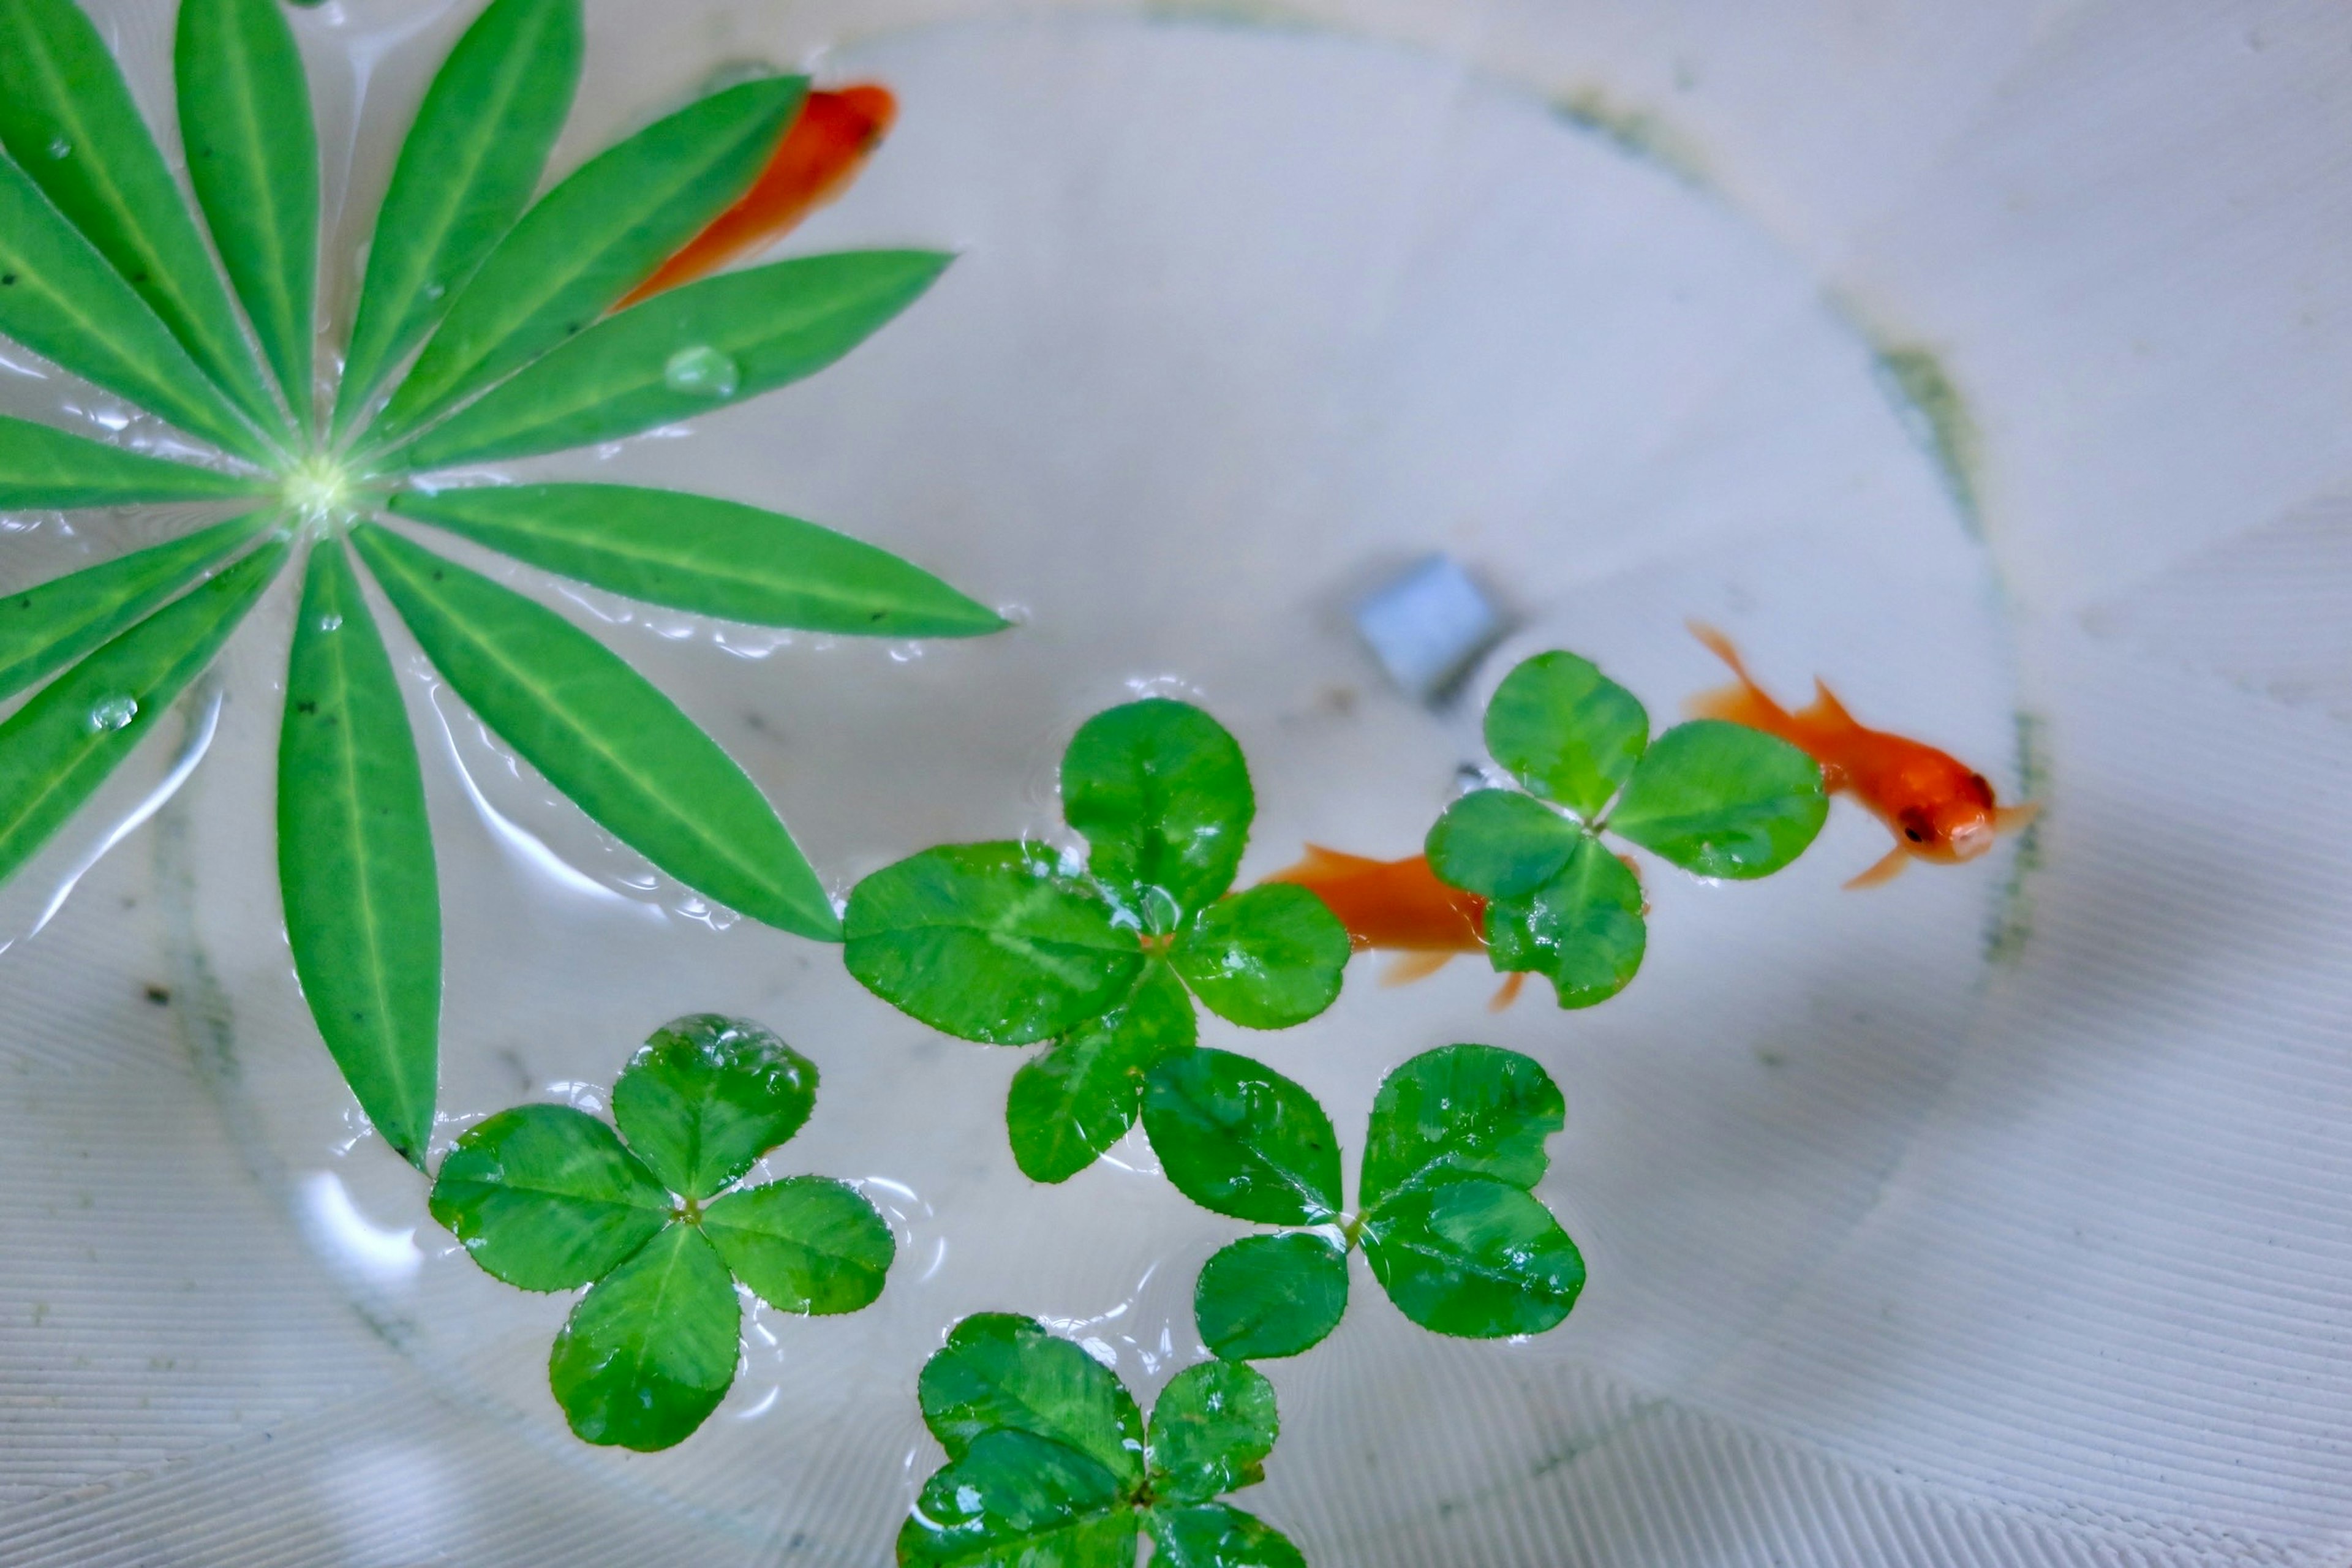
(1268, 1296)
(67, 119)
(1723, 800)
(1163, 797)
(42, 467)
(603, 735)
(59, 298)
(989, 942)
(1566, 731)
(467, 171)
(1584, 929)
(1240, 1139)
(806, 1244)
(650, 1351)
(355, 859)
(1498, 842)
(682, 354)
(1473, 1257)
(1265, 959)
(1018, 1500)
(1211, 1428)
(711, 557)
(592, 239)
(998, 1371)
(1069, 1104)
(706, 1096)
(49, 626)
(1218, 1535)
(545, 1197)
(253, 157)
(1470, 1108)
(61, 744)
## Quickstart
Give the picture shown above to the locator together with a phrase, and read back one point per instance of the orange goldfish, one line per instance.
(1398, 906)
(1938, 807)
(819, 155)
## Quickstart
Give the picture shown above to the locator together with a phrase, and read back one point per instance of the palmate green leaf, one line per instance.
(67, 119)
(467, 171)
(355, 859)
(1475, 1109)
(1069, 1104)
(710, 557)
(1218, 1535)
(684, 352)
(1211, 1428)
(1015, 1500)
(1473, 1257)
(989, 942)
(650, 1351)
(1723, 800)
(603, 735)
(1265, 959)
(1163, 797)
(253, 157)
(595, 236)
(1584, 929)
(998, 1371)
(1498, 842)
(59, 298)
(63, 742)
(1268, 1296)
(707, 1095)
(806, 1244)
(545, 1197)
(49, 626)
(1566, 731)
(42, 467)
(1240, 1140)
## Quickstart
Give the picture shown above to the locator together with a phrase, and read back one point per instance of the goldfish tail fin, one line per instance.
(2010, 818)
(1510, 992)
(1321, 865)
(1888, 868)
(1743, 701)
(1412, 966)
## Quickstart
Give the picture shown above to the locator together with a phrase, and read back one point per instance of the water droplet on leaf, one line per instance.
(702, 371)
(60, 148)
(113, 712)
(331, 623)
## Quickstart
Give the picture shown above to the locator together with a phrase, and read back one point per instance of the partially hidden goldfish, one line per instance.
(1398, 906)
(1938, 807)
(822, 151)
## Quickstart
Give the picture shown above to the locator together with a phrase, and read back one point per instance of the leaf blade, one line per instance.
(1018, 1500)
(1218, 1535)
(1498, 842)
(544, 1197)
(1240, 1140)
(706, 1096)
(1474, 1258)
(603, 735)
(1163, 795)
(1265, 1297)
(999, 1371)
(355, 860)
(650, 1351)
(1212, 1429)
(1268, 957)
(1719, 799)
(1566, 731)
(42, 467)
(1070, 1103)
(806, 1244)
(1477, 1110)
(1584, 929)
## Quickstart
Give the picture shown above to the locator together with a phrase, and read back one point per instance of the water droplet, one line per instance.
(331, 623)
(434, 291)
(704, 371)
(60, 148)
(113, 712)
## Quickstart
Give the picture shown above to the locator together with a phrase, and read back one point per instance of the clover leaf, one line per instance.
(1008, 944)
(1713, 798)
(493, 321)
(1050, 1462)
(547, 1197)
(1446, 1212)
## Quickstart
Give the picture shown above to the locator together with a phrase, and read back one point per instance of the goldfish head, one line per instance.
(1951, 825)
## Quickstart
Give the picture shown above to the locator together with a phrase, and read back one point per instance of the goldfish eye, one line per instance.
(1913, 835)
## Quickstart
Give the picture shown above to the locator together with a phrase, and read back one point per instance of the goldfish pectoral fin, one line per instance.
(2010, 818)
(1412, 966)
(1888, 868)
(1509, 992)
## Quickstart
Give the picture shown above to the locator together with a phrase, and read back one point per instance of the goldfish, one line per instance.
(1939, 808)
(827, 144)
(1398, 906)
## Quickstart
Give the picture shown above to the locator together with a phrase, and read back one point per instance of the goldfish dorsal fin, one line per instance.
(1888, 868)
(1826, 708)
(1412, 966)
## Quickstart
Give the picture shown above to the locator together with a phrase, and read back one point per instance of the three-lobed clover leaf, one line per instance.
(547, 1197)
(1005, 944)
(493, 322)
(1713, 798)
(1446, 1211)
(1050, 1462)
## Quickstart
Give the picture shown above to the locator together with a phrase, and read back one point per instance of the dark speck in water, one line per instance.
(159, 995)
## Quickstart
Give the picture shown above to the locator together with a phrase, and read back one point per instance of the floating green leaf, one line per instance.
(1069, 1104)
(989, 942)
(545, 1197)
(1473, 1110)
(62, 743)
(1567, 732)
(67, 119)
(1018, 1500)
(466, 173)
(650, 1351)
(592, 239)
(711, 557)
(44, 468)
(684, 352)
(1267, 959)
(1240, 1139)
(707, 1095)
(355, 859)
(253, 158)
(1218, 1535)
(1498, 842)
(1723, 800)
(1268, 1296)
(1000, 1371)
(603, 735)
(1211, 1428)
(1584, 929)
(806, 1244)
(1473, 1257)
(1163, 797)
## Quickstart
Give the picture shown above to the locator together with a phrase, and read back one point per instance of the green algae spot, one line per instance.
(2013, 921)
(1937, 416)
(1637, 132)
